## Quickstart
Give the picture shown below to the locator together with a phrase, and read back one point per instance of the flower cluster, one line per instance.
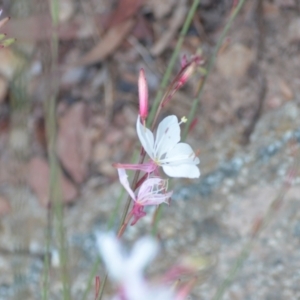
(164, 150)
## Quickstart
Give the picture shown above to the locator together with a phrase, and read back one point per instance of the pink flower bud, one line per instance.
(187, 69)
(143, 95)
(184, 61)
(186, 74)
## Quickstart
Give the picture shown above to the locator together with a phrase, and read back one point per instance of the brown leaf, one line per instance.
(124, 10)
(286, 90)
(3, 88)
(143, 29)
(177, 20)
(32, 28)
(161, 8)
(109, 43)
(38, 180)
(5, 207)
(39, 27)
(74, 142)
(40, 132)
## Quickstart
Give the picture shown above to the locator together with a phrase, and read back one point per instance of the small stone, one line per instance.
(113, 136)
(297, 229)
(10, 63)
(5, 207)
(235, 61)
(286, 89)
(274, 102)
(294, 31)
(101, 152)
(19, 140)
(107, 169)
(66, 10)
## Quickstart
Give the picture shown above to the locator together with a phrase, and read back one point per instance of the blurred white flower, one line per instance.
(120, 265)
(176, 159)
(127, 269)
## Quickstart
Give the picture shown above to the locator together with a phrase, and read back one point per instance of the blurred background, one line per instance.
(246, 129)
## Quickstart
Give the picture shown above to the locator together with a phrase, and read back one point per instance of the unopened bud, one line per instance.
(187, 74)
(143, 95)
(184, 61)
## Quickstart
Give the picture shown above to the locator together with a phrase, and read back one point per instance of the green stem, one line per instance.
(232, 273)
(210, 67)
(102, 286)
(91, 278)
(174, 57)
(55, 193)
(46, 266)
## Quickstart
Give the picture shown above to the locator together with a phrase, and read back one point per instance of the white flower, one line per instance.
(127, 270)
(177, 159)
(119, 265)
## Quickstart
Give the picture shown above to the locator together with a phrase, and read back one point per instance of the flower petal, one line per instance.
(167, 135)
(156, 199)
(111, 252)
(153, 192)
(124, 181)
(146, 137)
(142, 254)
(182, 153)
(183, 170)
(149, 185)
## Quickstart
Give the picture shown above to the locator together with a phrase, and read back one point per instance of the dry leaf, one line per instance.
(142, 30)
(39, 27)
(109, 43)
(293, 31)
(32, 28)
(285, 3)
(74, 142)
(5, 207)
(286, 90)
(3, 88)
(161, 8)
(177, 20)
(38, 180)
(124, 10)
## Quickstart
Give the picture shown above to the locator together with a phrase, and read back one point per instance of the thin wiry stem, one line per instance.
(174, 57)
(210, 66)
(46, 266)
(55, 193)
